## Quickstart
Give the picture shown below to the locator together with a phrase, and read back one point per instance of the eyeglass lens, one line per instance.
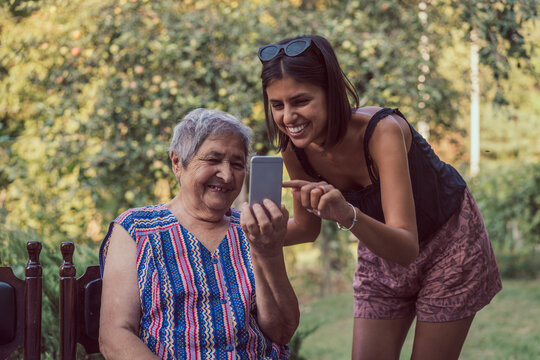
(269, 52)
(293, 48)
(296, 47)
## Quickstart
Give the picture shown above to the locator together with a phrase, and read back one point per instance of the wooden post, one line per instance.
(68, 305)
(33, 300)
(475, 106)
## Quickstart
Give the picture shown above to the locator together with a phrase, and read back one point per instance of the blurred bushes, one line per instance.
(509, 198)
(91, 90)
(518, 265)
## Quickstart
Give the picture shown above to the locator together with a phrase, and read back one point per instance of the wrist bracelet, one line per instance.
(340, 227)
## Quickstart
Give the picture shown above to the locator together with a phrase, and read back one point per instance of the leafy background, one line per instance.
(91, 90)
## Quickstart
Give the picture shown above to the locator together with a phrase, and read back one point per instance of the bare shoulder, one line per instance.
(366, 112)
(391, 125)
(120, 237)
(390, 135)
(120, 300)
(359, 121)
(120, 271)
(121, 251)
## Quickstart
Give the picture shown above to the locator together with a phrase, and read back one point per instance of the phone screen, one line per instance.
(265, 179)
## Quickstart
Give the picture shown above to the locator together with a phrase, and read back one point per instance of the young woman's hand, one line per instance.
(322, 199)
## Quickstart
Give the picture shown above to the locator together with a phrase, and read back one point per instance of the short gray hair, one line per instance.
(191, 132)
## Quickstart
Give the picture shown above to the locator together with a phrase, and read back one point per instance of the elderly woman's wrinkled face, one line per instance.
(214, 176)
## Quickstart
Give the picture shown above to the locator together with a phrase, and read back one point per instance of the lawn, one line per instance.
(508, 328)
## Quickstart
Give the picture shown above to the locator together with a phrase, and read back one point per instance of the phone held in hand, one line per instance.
(265, 179)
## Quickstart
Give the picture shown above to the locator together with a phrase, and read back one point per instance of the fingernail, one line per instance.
(317, 212)
(309, 211)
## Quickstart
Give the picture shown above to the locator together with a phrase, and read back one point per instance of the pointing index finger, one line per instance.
(294, 183)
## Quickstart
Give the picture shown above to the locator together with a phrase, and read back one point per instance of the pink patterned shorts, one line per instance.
(454, 276)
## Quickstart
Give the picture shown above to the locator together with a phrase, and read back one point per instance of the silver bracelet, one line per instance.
(340, 227)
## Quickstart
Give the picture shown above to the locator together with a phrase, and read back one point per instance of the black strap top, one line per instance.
(437, 187)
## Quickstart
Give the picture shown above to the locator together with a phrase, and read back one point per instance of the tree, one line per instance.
(92, 89)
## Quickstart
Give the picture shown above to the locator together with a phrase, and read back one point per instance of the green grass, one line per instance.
(508, 328)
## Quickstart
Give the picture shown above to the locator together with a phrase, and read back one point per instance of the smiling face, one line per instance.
(214, 176)
(299, 110)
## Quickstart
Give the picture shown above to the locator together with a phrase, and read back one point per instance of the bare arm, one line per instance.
(278, 314)
(120, 302)
(396, 239)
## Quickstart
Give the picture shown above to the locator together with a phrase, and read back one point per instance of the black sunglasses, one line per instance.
(292, 48)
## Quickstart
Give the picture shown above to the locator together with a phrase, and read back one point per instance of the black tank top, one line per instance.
(437, 187)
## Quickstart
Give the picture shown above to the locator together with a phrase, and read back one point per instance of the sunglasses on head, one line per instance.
(292, 48)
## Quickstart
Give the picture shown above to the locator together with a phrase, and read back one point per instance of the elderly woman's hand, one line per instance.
(265, 232)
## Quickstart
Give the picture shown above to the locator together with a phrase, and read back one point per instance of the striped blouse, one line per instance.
(194, 304)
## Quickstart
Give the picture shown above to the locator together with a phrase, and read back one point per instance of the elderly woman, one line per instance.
(179, 278)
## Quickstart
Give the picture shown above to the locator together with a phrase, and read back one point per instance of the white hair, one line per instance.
(191, 132)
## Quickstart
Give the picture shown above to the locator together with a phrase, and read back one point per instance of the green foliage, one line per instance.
(518, 265)
(500, 28)
(509, 199)
(22, 7)
(336, 260)
(509, 135)
(327, 323)
(296, 342)
(92, 89)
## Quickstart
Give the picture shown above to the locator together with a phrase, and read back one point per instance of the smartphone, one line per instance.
(265, 179)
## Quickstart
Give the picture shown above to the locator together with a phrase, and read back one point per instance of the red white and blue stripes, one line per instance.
(195, 304)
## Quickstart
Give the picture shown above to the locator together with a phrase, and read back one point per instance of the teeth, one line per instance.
(296, 129)
(220, 189)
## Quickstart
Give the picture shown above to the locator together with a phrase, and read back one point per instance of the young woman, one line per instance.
(423, 249)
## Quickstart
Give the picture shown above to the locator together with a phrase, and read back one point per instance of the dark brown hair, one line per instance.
(318, 65)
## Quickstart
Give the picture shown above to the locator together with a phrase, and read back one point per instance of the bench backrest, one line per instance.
(80, 303)
(20, 307)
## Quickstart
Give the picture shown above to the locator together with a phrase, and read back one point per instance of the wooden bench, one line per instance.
(20, 307)
(21, 300)
(80, 303)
